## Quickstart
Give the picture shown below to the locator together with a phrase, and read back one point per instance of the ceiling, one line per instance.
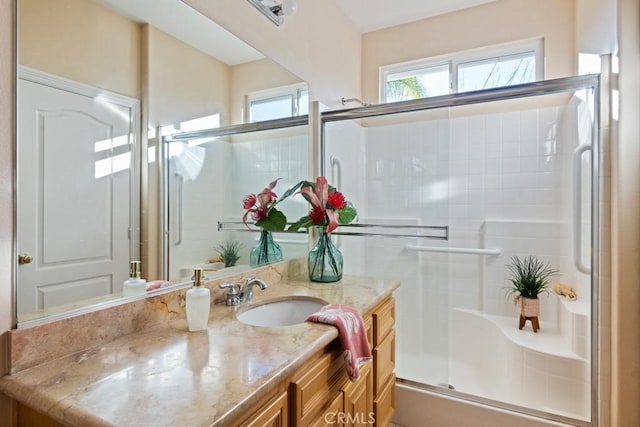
(205, 35)
(371, 15)
(201, 32)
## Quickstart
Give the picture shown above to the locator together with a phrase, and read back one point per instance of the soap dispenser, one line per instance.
(198, 303)
(134, 285)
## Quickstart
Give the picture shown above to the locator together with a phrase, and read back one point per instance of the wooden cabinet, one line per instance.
(273, 414)
(318, 383)
(322, 395)
(358, 400)
(384, 362)
(27, 417)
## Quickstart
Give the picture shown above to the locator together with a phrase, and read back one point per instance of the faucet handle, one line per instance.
(233, 295)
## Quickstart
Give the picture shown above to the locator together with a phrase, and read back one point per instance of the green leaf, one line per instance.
(292, 190)
(303, 222)
(346, 215)
(275, 221)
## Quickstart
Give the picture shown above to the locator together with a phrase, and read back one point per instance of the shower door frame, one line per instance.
(545, 87)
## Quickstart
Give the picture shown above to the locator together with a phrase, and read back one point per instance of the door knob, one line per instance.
(24, 259)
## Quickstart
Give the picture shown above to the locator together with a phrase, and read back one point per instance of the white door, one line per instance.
(75, 169)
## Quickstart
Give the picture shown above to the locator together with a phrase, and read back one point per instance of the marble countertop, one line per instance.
(167, 376)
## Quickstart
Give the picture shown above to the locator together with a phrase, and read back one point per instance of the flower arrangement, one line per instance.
(328, 206)
(262, 209)
(329, 209)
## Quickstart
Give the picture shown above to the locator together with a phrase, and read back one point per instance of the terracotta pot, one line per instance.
(529, 307)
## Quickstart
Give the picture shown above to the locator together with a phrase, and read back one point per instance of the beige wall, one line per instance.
(183, 83)
(625, 222)
(489, 24)
(7, 78)
(255, 76)
(596, 26)
(58, 33)
(318, 44)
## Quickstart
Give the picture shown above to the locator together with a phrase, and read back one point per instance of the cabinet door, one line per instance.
(27, 417)
(318, 385)
(332, 416)
(384, 357)
(358, 400)
(274, 414)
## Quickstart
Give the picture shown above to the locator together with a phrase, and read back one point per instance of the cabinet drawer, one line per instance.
(383, 321)
(316, 388)
(274, 414)
(384, 362)
(384, 405)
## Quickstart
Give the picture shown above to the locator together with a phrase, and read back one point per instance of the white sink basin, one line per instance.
(283, 312)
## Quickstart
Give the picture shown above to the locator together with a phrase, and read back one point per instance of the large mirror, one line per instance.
(99, 84)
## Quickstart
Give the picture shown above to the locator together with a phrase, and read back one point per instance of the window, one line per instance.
(277, 103)
(496, 66)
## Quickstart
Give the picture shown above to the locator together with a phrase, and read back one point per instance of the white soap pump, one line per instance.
(198, 303)
(134, 285)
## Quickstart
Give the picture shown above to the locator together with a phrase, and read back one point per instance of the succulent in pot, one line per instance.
(530, 277)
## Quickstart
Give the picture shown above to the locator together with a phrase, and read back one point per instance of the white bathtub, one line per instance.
(489, 357)
(420, 408)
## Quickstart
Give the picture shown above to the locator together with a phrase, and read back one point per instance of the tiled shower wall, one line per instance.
(508, 163)
(233, 167)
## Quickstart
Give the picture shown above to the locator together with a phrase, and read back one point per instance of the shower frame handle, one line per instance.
(179, 206)
(577, 208)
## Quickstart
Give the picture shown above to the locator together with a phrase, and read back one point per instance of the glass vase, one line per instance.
(265, 251)
(325, 260)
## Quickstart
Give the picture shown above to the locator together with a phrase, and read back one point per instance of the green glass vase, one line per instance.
(325, 260)
(265, 251)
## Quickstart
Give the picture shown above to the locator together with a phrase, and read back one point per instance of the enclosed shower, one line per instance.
(506, 172)
(448, 190)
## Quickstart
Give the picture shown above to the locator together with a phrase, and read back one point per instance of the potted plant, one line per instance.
(530, 277)
(229, 252)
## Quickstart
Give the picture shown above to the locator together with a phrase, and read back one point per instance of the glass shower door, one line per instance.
(397, 174)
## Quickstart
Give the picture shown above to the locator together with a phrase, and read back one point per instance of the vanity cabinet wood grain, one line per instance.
(24, 416)
(273, 414)
(384, 358)
(321, 383)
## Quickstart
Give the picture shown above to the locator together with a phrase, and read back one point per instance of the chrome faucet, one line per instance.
(246, 291)
(240, 294)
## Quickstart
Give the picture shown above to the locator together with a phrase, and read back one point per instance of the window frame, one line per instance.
(454, 60)
(294, 91)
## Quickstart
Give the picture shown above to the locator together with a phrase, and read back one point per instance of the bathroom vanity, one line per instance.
(158, 373)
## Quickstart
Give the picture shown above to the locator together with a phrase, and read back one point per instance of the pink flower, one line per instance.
(259, 205)
(328, 206)
(318, 200)
(248, 201)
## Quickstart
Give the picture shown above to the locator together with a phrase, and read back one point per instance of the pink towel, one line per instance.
(353, 335)
(157, 284)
